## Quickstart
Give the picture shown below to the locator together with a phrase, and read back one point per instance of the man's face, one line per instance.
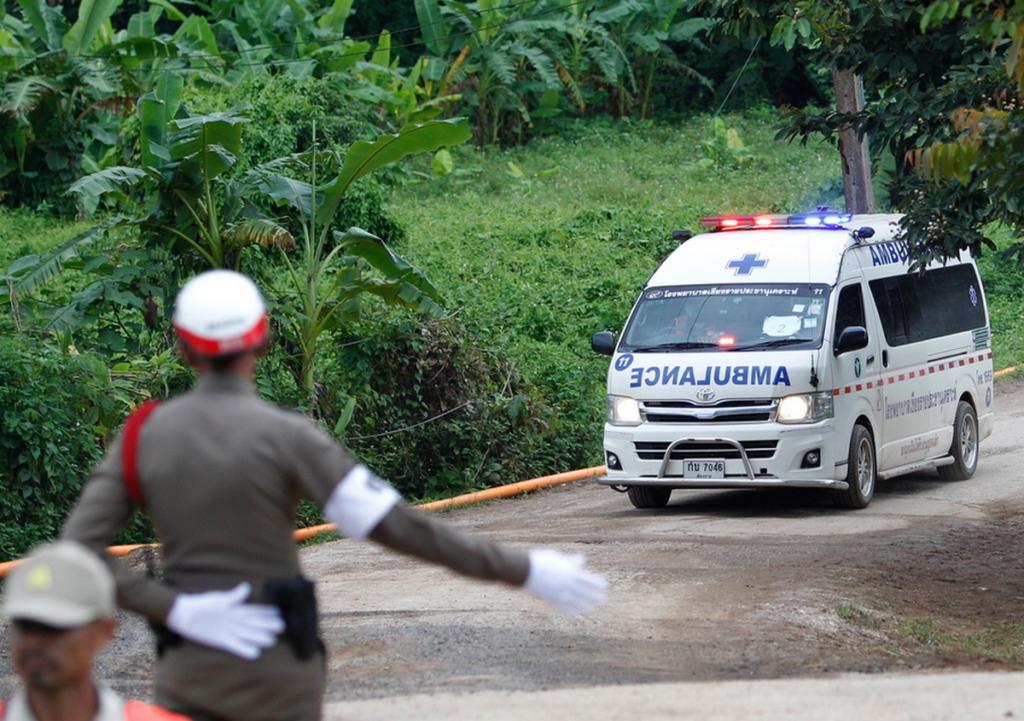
(48, 658)
(681, 325)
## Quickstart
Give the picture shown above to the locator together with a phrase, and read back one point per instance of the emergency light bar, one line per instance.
(828, 220)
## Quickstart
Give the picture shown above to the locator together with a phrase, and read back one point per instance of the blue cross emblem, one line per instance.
(746, 264)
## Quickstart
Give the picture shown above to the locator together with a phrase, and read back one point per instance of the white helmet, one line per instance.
(221, 312)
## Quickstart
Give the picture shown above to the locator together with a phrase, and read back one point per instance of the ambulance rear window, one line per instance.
(919, 306)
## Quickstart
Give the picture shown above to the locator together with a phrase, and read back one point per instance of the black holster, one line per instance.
(296, 599)
(165, 637)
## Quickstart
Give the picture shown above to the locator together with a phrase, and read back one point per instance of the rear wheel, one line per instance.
(861, 470)
(649, 496)
(965, 445)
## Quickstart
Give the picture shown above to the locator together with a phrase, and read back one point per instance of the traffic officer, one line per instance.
(60, 602)
(220, 472)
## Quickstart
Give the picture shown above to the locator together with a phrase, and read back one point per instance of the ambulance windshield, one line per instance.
(727, 318)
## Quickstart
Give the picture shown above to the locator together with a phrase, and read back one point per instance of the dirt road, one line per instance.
(719, 586)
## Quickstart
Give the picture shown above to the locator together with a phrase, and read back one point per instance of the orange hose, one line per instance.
(513, 489)
(466, 499)
(1005, 372)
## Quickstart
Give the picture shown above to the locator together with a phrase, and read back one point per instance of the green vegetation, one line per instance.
(532, 249)
(435, 311)
(1003, 642)
(944, 84)
(998, 642)
(538, 248)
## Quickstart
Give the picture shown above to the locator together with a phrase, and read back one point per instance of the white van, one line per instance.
(797, 351)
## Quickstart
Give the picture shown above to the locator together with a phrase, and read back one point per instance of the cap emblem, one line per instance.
(40, 578)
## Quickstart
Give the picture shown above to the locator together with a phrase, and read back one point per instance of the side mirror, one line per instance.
(603, 343)
(853, 337)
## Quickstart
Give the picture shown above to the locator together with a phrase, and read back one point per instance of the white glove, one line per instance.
(561, 580)
(223, 620)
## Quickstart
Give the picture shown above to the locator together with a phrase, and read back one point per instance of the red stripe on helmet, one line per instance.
(211, 348)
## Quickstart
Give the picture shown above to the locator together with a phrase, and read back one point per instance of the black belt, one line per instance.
(295, 598)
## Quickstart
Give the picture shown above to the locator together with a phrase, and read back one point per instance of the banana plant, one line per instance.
(188, 203)
(66, 88)
(333, 269)
(648, 33)
(404, 95)
(505, 54)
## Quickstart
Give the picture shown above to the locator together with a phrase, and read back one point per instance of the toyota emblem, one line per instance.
(705, 395)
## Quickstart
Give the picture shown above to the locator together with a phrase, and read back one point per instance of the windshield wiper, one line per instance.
(678, 345)
(777, 343)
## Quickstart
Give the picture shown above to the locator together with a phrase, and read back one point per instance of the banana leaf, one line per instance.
(91, 16)
(364, 157)
(398, 272)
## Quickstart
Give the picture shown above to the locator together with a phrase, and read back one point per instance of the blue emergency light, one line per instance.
(826, 219)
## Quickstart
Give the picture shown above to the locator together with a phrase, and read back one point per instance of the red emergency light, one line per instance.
(824, 219)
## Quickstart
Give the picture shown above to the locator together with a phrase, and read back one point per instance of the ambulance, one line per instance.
(797, 351)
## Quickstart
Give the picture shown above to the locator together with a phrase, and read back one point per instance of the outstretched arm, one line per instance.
(364, 506)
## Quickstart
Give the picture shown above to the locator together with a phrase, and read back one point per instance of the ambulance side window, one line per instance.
(849, 310)
(891, 309)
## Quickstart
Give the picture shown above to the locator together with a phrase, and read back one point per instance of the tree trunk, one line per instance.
(853, 148)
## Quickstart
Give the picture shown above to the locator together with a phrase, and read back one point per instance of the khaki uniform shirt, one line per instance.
(222, 472)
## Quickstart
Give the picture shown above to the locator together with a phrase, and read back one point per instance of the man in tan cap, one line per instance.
(60, 602)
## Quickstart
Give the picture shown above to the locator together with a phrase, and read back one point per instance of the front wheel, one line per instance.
(649, 496)
(861, 470)
(965, 445)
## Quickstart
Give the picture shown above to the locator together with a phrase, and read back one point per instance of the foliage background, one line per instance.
(598, 132)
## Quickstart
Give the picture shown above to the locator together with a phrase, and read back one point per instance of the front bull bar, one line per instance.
(751, 481)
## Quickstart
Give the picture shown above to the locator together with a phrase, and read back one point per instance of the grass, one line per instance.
(24, 232)
(537, 248)
(999, 642)
(1004, 289)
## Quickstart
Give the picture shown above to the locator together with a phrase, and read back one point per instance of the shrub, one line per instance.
(50, 404)
(284, 111)
(439, 414)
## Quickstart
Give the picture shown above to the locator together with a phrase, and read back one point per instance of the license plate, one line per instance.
(711, 468)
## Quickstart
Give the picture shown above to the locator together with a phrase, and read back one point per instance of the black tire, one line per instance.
(861, 470)
(964, 448)
(649, 496)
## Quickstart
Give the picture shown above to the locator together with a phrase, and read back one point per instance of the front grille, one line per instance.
(732, 418)
(723, 404)
(732, 411)
(655, 451)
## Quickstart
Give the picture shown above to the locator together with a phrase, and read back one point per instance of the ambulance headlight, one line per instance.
(805, 408)
(623, 411)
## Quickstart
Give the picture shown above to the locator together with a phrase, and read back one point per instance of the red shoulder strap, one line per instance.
(130, 451)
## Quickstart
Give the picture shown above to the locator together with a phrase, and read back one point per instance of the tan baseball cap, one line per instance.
(60, 584)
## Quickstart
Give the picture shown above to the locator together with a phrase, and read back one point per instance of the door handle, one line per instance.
(869, 360)
(885, 359)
